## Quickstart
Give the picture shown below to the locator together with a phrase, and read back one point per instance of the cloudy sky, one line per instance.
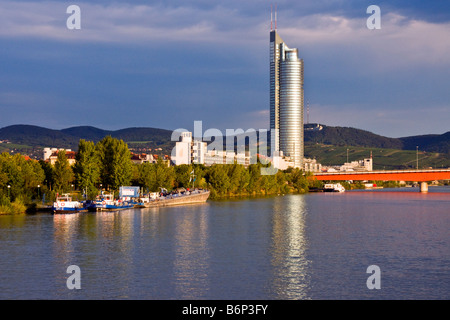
(164, 64)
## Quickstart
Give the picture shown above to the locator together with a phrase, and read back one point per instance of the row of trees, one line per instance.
(20, 180)
(108, 165)
(222, 179)
(109, 162)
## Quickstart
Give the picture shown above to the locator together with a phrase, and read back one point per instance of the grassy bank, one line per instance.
(15, 207)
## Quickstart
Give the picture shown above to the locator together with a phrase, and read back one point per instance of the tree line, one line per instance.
(107, 165)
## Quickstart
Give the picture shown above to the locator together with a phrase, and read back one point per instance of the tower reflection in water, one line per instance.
(291, 278)
(229, 250)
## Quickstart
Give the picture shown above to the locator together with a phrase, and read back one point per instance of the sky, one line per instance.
(166, 64)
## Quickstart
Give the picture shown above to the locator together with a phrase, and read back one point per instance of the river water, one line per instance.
(313, 246)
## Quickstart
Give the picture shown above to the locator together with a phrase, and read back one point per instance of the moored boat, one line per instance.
(106, 202)
(65, 204)
(333, 187)
(174, 199)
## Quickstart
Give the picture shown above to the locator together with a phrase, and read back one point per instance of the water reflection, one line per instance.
(95, 242)
(191, 256)
(289, 244)
(64, 230)
(286, 247)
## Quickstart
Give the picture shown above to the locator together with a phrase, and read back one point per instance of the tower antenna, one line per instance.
(275, 17)
(271, 28)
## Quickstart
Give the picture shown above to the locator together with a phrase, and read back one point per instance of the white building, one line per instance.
(51, 155)
(226, 157)
(199, 149)
(183, 149)
(311, 165)
(359, 165)
(190, 150)
(283, 163)
(49, 151)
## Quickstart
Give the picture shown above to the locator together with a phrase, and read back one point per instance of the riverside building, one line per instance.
(189, 150)
(286, 100)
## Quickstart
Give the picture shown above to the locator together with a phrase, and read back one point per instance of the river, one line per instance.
(312, 246)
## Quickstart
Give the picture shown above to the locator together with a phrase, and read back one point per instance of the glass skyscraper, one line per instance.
(286, 100)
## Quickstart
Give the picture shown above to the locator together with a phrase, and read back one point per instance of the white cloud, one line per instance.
(124, 23)
(400, 41)
(336, 46)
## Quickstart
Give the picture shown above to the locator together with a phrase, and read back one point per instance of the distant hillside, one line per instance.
(144, 135)
(34, 136)
(152, 136)
(87, 133)
(343, 136)
(383, 158)
(430, 143)
(25, 137)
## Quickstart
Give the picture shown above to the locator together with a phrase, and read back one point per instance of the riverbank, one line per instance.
(16, 207)
(249, 195)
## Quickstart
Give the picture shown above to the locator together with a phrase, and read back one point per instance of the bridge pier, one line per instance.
(424, 187)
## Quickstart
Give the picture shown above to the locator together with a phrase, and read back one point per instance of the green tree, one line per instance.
(63, 174)
(87, 168)
(239, 178)
(199, 172)
(218, 178)
(254, 184)
(146, 176)
(22, 175)
(183, 175)
(313, 182)
(12, 175)
(34, 176)
(281, 182)
(153, 176)
(164, 176)
(115, 163)
(48, 173)
(299, 181)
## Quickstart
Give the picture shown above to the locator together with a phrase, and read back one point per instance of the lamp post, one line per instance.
(9, 187)
(39, 191)
(417, 157)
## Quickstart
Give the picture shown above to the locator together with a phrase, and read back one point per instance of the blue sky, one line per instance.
(165, 64)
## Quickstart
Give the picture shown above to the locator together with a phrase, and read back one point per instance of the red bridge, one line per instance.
(422, 176)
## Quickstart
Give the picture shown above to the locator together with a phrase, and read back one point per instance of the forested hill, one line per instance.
(345, 136)
(35, 136)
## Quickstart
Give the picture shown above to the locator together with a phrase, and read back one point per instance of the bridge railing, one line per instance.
(383, 171)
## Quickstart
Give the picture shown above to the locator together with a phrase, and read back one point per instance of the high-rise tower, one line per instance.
(286, 99)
